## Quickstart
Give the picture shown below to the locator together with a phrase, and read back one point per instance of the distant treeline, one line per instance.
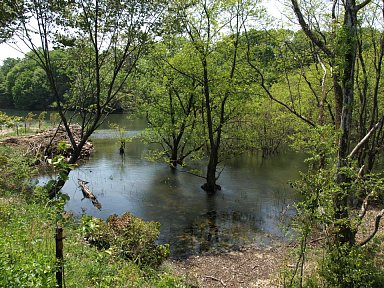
(24, 84)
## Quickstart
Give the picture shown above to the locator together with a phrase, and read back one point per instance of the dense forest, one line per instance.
(217, 78)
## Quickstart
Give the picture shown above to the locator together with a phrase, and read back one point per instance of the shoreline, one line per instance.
(44, 143)
(250, 266)
(260, 266)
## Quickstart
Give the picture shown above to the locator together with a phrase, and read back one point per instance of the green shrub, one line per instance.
(351, 267)
(26, 245)
(128, 237)
(15, 170)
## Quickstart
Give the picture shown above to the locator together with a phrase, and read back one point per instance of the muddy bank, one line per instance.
(45, 144)
(248, 267)
(254, 266)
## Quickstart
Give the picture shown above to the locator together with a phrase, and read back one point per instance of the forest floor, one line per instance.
(247, 267)
(253, 266)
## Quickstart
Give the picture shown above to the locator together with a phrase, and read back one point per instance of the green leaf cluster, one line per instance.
(128, 237)
(25, 84)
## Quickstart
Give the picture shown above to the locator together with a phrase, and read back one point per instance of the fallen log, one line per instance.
(87, 193)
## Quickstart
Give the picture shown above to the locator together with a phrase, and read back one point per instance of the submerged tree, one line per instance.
(213, 29)
(171, 102)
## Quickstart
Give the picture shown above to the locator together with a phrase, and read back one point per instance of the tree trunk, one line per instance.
(344, 55)
(210, 186)
(63, 174)
(344, 231)
(173, 161)
(338, 95)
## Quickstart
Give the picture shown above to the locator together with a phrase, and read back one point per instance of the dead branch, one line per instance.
(364, 206)
(377, 225)
(313, 241)
(191, 173)
(216, 279)
(87, 193)
(366, 137)
(361, 172)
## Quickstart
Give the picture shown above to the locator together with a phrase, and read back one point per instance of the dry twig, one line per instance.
(215, 279)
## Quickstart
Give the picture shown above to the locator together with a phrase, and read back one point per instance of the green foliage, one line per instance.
(26, 245)
(318, 143)
(5, 97)
(28, 260)
(54, 118)
(128, 237)
(10, 12)
(121, 135)
(170, 101)
(26, 84)
(16, 171)
(265, 127)
(59, 161)
(28, 120)
(351, 267)
(343, 265)
(5, 120)
(41, 118)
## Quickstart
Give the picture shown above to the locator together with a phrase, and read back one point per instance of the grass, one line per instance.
(27, 244)
(361, 267)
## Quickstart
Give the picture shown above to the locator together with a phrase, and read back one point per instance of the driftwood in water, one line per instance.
(87, 193)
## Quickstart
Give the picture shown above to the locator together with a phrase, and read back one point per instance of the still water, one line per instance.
(249, 209)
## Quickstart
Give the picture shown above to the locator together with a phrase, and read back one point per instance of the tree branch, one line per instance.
(366, 137)
(377, 225)
(364, 206)
(362, 5)
(307, 30)
(277, 100)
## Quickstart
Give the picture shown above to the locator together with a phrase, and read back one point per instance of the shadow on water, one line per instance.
(247, 209)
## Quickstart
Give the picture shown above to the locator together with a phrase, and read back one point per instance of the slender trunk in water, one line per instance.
(210, 186)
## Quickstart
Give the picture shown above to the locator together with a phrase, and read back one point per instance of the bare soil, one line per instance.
(256, 266)
(248, 267)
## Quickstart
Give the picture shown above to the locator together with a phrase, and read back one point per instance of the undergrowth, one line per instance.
(28, 220)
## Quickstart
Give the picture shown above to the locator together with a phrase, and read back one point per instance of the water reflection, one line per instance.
(253, 195)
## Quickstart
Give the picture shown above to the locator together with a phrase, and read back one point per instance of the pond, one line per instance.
(254, 199)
